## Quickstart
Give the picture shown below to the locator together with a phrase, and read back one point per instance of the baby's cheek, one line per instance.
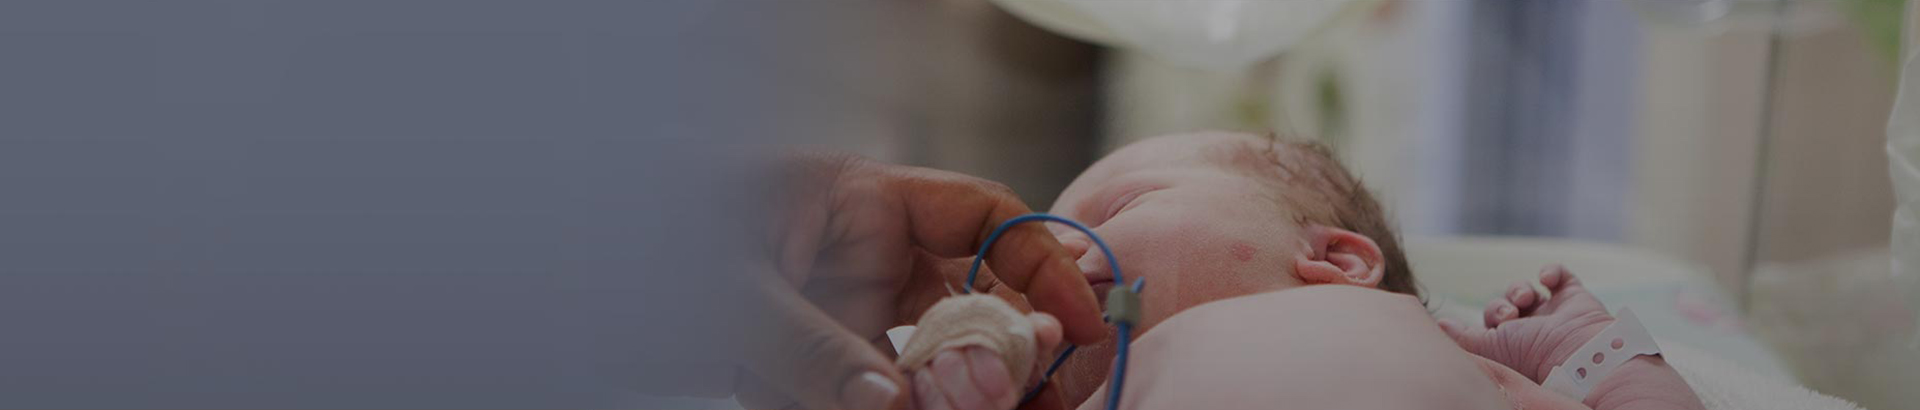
(1189, 261)
(1201, 287)
(1242, 252)
(1219, 269)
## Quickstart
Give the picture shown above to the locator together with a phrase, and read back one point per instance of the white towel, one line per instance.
(1724, 385)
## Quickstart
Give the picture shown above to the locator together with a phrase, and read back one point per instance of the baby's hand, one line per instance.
(1531, 333)
(974, 378)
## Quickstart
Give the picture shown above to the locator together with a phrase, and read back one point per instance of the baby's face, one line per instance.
(1191, 215)
(1185, 213)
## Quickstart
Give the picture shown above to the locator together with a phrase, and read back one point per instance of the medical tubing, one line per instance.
(1062, 358)
(1119, 377)
(995, 236)
(1057, 361)
(1124, 325)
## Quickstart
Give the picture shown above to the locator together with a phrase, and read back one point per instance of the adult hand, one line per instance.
(858, 247)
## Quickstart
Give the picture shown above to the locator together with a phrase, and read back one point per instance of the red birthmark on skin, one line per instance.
(1241, 252)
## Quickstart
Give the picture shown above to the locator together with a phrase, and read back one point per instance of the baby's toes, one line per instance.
(1046, 332)
(1523, 297)
(951, 371)
(991, 378)
(1499, 311)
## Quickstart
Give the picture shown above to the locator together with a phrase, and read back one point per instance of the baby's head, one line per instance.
(1210, 216)
(1215, 215)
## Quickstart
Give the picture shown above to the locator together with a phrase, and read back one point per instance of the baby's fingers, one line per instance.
(1522, 295)
(1499, 311)
(1556, 277)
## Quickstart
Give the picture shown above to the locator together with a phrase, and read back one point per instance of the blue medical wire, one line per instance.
(1119, 377)
(1125, 328)
(1057, 361)
(995, 236)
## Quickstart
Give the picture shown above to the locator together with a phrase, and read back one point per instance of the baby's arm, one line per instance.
(1531, 334)
(1645, 382)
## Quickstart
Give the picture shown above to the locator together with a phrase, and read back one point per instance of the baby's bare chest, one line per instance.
(1308, 350)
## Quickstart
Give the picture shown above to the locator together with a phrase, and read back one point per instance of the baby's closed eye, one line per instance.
(1122, 199)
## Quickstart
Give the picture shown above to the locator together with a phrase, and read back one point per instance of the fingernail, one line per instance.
(1515, 294)
(1504, 310)
(871, 390)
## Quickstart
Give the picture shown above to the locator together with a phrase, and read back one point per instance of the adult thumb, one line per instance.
(806, 354)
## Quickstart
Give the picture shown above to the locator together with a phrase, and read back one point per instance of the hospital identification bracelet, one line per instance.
(1599, 357)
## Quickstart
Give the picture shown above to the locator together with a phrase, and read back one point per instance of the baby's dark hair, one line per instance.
(1338, 199)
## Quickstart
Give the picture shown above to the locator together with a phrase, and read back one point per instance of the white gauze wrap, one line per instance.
(973, 320)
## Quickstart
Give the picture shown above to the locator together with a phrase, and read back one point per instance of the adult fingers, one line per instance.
(808, 356)
(951, 215)
(934, 278)
(754, 393)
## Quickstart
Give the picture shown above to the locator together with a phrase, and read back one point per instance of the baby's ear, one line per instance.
(1340, 256)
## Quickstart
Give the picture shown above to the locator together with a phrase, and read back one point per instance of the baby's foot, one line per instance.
(974, 377)
(1531, 333)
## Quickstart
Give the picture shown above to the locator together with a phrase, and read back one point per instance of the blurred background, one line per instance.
(1720, 165)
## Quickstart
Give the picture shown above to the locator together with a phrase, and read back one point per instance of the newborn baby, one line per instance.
(1308, 301)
